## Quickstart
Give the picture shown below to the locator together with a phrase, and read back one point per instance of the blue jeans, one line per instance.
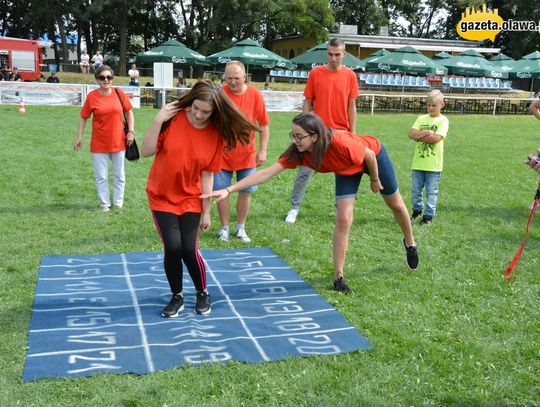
(223, 179)
(430, 180)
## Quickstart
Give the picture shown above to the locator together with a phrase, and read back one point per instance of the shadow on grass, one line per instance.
(52, 207)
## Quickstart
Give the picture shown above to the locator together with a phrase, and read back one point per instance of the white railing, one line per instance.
(277, 101)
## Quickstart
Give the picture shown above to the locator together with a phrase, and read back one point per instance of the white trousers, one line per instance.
(101, 172)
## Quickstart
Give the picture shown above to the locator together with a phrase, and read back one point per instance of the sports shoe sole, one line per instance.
(203, 313)
(175, 315)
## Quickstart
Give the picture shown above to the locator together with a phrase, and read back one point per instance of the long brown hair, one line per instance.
(232, 123)
(312, 124)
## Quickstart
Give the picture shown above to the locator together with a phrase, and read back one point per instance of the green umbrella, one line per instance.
(172, 51)
(377, 54)
(527, 67)
(532, 55)
(441, 55)
(504, 62)
(407, 60)
(318, 56)
(250, 53)
(472, 63)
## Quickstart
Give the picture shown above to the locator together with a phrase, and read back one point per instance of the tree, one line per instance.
(422, 18)
(367, 15)
(213, 25)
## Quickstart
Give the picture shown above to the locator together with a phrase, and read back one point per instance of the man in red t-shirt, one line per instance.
(244, 158)
(331, 93)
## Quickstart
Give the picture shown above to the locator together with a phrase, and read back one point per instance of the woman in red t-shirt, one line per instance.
(108, 141)
(187, 139)
(348, 156)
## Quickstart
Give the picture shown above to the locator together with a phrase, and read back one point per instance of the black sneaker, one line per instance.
(341, 286)
(174, 307)
(412, 256)
(416, 214)
(203, 303)
(426, 220)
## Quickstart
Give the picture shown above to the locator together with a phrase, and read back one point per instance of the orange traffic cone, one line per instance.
(22, 110)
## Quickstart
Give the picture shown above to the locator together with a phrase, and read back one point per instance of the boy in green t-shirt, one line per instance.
(429, 132)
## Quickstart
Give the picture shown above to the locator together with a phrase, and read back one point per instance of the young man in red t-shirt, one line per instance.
(331, 93)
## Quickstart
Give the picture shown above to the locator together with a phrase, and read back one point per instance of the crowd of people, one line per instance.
(209, 135)
(7, 74)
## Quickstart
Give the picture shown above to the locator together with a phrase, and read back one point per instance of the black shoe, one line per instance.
(203, 303)
(341, 286)
(174, 307)
(412, 256)
(416, 214)
(426, 220)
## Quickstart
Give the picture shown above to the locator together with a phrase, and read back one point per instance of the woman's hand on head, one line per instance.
(167, 112)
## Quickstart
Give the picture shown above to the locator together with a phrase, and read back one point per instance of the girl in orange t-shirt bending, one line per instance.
(187, 138)
(348, 156)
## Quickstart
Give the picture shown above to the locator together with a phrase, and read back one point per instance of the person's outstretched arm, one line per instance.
(256, 178)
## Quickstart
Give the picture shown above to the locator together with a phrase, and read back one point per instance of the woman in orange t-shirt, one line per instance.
(348, 156)
(187, 139)
(108, 141)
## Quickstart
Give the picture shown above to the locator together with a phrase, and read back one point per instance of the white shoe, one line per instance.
(223, 234)
(243, 235)
(104, 208)
(291, 216)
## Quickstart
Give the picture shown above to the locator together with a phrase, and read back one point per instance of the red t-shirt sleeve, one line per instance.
(287, 164)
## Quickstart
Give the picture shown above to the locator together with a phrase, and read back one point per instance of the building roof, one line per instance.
(421, 44)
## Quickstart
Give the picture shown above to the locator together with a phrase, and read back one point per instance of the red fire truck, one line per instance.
(25, 55)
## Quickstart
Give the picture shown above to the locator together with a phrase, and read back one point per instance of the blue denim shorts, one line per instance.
(347, 185)
(223, 179)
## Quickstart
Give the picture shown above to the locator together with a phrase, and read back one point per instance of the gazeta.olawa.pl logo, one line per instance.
(483, 24)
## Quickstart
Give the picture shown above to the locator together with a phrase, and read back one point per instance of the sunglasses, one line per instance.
(103, 77)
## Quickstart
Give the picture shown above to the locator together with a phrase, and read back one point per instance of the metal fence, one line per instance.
(373, 103)
(381, 103)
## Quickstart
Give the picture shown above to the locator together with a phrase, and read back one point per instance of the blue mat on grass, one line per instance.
(102, 313)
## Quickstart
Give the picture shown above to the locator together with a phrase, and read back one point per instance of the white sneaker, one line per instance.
(223, 234)
(291, 216)
(104, 208)
(243, 235)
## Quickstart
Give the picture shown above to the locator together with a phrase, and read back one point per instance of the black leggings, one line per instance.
(179, 235)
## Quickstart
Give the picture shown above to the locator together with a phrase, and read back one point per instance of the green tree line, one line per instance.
(129, 27)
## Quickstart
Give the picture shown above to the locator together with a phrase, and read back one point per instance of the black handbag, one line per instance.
(132, 151)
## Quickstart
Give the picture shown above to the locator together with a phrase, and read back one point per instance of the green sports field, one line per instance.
(453, 332)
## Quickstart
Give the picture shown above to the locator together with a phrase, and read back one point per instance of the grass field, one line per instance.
(453, 333)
